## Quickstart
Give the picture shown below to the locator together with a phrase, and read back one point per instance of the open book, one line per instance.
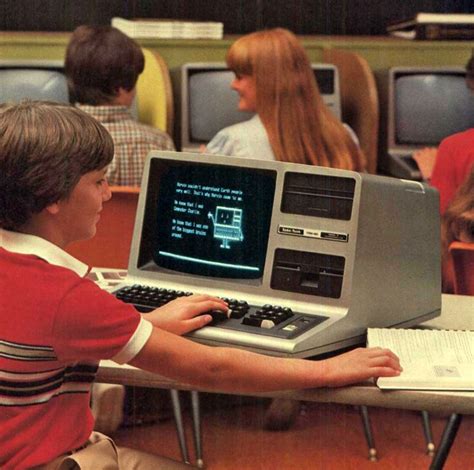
(431, 359)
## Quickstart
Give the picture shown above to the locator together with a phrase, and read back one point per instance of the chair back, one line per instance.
(462, 257)
(359, 100)
(110, 247)
(154, 93)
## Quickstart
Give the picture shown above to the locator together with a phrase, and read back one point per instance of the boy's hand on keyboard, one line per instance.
(361, 364)
(186, 314)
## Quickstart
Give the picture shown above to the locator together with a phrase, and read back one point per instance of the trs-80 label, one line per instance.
(312, 233)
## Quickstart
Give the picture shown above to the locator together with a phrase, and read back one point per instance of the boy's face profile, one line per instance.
(77, 215)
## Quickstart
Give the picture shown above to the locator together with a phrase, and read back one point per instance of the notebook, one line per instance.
(431, 359)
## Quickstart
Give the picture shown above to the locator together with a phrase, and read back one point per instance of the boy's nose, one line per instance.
(107, 193)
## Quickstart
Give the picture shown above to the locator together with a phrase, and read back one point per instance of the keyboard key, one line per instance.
(217, 316)
(237, 313)
(267, 324)
(252, 321)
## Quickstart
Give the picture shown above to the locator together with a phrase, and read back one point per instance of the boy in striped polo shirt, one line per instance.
(55, 325)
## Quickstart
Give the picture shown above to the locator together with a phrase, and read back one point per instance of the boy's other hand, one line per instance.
(361, 364)
(186, 314)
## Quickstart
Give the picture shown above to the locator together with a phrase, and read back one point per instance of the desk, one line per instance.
(361, 394)
(457, 313)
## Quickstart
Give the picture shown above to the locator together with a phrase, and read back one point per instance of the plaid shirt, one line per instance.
(132, 140)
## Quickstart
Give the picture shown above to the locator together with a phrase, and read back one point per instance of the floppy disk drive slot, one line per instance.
(308, 273)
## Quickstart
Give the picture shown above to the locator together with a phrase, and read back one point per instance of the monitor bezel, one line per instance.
(143, 261)
(57, 65)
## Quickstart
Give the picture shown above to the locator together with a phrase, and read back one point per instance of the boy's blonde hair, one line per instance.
(45, 148)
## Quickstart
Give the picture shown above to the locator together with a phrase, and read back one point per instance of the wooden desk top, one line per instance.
(457, 313)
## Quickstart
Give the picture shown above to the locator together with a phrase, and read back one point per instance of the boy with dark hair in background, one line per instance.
(102, 67)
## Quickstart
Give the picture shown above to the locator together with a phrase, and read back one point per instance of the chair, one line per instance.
(462, 257)
(110, 247)
(154, 93)
(359, 100)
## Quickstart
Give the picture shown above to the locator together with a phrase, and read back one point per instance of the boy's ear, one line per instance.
(53, 209)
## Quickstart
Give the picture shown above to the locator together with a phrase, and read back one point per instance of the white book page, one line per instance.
(431, 359)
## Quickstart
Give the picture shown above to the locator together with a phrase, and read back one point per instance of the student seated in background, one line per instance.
(273, 78)
(56, 325)
(457, 223)
(448, 166)
(102, 67)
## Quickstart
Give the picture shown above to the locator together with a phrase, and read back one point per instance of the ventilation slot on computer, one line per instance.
(318, 195)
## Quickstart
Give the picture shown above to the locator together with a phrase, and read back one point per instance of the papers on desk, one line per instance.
(169, 29)
(431, 359)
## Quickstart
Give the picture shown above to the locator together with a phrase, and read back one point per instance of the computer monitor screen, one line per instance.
(36, 80)
(430, 105)
(208, 104)
(209, 220)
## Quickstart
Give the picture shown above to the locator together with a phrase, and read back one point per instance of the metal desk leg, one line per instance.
(178, 418)
(364, 414)
(197, 428)
(446, 442)
(430, 447)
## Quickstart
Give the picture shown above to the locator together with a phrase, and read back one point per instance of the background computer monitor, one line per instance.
(43, 80)
(424, 105)
(207, 104)
(34, 79)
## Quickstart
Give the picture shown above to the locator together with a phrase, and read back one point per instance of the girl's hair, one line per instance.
(458, 220)
(300, 127)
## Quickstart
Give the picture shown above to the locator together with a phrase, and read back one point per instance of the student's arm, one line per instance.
(226, 369)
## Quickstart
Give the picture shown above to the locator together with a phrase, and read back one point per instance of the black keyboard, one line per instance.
(242, 315)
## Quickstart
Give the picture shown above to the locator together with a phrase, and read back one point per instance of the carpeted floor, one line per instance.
(324, 437)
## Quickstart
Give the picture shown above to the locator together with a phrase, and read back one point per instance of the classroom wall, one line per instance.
(328, 17)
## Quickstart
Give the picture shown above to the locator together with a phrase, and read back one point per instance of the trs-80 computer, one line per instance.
(307, 257)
